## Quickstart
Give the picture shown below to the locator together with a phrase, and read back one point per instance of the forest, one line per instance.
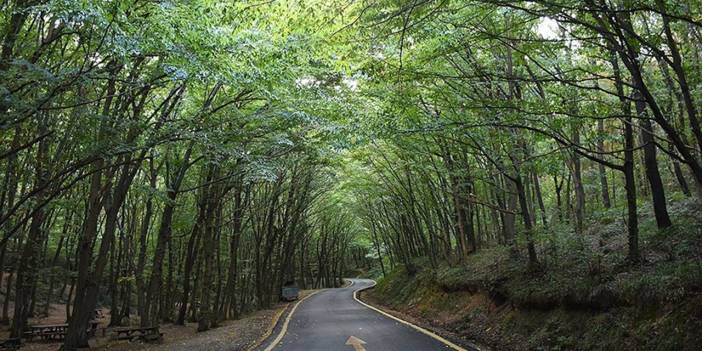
(180, 162)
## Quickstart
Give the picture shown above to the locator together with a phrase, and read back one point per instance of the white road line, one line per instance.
(416, 327)
(284, 329)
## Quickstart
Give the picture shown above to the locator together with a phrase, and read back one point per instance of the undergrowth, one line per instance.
(585, 296)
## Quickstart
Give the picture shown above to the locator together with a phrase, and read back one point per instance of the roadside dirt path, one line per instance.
(234, 335)
(237, 335)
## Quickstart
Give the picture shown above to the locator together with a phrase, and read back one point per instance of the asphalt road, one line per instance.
(326, 321)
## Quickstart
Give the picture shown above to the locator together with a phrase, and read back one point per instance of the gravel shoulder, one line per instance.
(235, 335)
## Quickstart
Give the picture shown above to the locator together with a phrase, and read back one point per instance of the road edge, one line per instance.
(424, 331)
(284, 327)
(269, 331)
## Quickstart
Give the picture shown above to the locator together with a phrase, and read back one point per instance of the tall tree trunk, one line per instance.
(508, 216)
(579, 206)
(526, 217)
(606, 202)
(29, 260)
(76, 336)
(230, 310)
(660, 208)
(54, 263)
(205, 315)
(6, 302)
(193, 243)
(630, 188)
(559, 202)
(629, 175)
(142, 307)
(88, 288)
(540, 198)
(680, 177)
(164, 236)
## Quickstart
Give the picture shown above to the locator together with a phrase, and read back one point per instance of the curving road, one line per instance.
(333, 320)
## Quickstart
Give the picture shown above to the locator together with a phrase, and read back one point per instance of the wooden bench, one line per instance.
(47, 332)
(149, 334)
(11, 344)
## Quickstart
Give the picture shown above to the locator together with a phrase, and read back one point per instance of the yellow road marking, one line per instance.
(269, 331)
(416, 327)
(284, 329)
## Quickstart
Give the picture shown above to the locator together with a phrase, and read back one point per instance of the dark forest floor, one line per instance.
(233, 335)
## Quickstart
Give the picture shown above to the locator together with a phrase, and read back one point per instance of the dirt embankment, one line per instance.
(584, 295)
(503, 314)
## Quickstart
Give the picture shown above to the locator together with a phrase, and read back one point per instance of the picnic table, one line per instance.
(137, 333)
(47, 331)
(55, 331)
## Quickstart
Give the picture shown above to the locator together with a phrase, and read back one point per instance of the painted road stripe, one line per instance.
(284, 329)
(416, 327)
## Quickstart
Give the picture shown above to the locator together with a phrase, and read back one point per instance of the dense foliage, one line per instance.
(515, 117)
(179, 160)
(162, 156)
